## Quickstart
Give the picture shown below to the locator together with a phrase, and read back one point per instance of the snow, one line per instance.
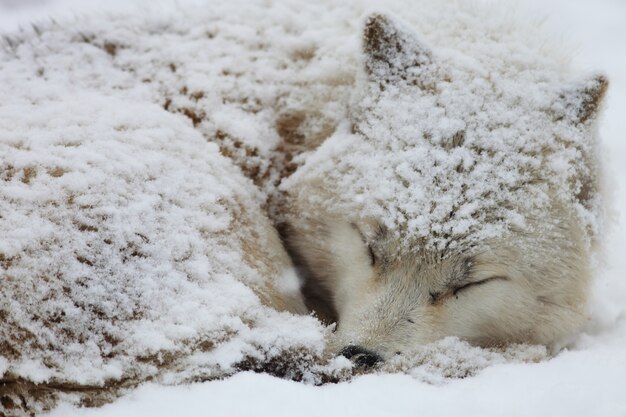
(562, 387)
(586, 379)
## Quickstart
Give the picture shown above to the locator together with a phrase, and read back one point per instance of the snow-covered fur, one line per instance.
(140, 153)
(131, 246)
(461, 199)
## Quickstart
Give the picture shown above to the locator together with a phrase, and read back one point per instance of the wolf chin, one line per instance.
(494, 247)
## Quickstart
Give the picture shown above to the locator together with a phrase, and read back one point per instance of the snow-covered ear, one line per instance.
(392, 50)
(581, 101)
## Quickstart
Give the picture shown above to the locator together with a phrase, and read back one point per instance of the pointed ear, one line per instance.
(392, 51)
(581, 102)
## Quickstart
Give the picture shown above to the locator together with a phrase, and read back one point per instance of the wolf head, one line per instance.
(459, 200)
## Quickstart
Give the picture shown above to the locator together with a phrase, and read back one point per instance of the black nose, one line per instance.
(360, 356)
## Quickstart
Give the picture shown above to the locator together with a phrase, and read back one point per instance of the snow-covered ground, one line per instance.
(588, 379)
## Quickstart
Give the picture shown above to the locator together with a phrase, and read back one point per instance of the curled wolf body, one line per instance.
(424, 187)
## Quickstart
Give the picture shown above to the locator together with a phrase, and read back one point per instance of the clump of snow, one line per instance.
(437, 362)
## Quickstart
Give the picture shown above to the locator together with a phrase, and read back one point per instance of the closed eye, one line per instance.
(370, 251)
(456, 290)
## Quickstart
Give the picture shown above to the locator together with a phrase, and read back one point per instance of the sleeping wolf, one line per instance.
(454, 203)
(457, 195)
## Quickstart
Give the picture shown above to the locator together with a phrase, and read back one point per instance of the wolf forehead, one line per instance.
(452, 147)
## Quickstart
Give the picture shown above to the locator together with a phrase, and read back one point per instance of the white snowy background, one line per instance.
(588, 379)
